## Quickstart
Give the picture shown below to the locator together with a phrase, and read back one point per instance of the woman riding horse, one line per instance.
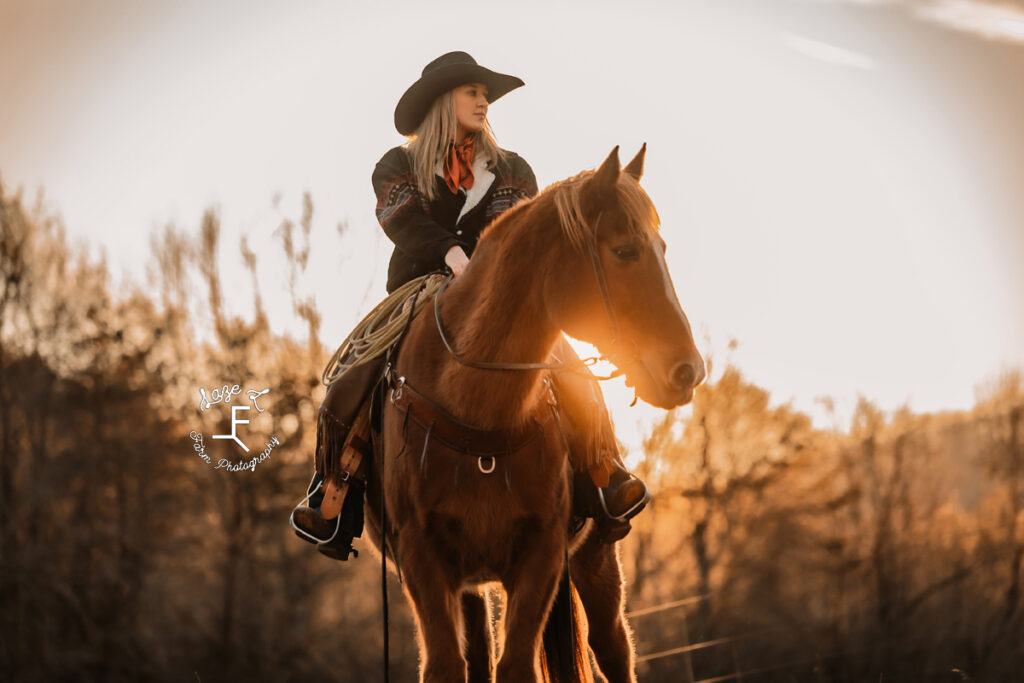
(472, 483)
(435, 196)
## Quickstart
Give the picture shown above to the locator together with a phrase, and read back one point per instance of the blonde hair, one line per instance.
(428, 144)
(641, 216)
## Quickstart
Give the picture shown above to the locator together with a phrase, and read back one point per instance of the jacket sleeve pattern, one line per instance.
(402, 211)
(517, 185)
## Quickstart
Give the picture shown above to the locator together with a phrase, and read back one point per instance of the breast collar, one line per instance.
(458, 436)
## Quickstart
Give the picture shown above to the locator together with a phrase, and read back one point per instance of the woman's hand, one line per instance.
(457, 260)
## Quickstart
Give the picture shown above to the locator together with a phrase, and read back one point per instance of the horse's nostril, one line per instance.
(684, 376)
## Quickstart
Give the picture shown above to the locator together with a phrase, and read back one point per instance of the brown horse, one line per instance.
(583, 257)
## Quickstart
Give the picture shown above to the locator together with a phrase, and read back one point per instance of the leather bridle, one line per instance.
(602, 284)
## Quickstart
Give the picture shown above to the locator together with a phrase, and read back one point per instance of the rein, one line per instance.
(391, 352)
(602, 284)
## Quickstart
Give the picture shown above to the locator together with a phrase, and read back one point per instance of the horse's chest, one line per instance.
(473, 508)
(480, 547)
(481, 525)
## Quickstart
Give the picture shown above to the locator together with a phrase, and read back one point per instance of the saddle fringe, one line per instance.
(330, 444)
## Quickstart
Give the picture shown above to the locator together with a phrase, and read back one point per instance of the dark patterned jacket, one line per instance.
(424, 232)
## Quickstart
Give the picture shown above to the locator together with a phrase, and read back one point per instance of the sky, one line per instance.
(839, 183)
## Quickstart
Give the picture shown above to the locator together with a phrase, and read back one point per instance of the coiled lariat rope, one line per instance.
(380, 328)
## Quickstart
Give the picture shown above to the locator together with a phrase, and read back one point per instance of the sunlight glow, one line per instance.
(632, 421)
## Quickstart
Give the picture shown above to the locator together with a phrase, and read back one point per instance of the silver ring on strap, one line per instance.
(396, 392)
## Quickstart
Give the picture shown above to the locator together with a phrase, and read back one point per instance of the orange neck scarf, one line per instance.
(458, 165)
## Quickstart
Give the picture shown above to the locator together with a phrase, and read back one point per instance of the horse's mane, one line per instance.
(641, 217)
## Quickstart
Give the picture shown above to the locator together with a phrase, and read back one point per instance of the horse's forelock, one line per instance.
(643, 218)
(569, 197)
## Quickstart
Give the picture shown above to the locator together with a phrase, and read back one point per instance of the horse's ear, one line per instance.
(635, 168)
(608, 174)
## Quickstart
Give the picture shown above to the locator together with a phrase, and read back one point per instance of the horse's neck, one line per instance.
(495, 313)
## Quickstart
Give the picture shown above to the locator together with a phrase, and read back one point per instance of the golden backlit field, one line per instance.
(887, 550)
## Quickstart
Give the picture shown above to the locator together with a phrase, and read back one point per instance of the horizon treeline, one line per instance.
(772, 550)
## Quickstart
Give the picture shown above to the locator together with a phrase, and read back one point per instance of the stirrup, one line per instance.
(305, 534)
(631, 512)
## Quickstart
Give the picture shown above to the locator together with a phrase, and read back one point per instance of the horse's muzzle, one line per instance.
(686, 376)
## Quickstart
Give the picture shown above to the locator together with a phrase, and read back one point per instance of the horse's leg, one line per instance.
(436, 605)
(531, 589)
(597, 576)
(479, 644)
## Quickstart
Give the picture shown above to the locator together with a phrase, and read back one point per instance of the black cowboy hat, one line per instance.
(441, 75)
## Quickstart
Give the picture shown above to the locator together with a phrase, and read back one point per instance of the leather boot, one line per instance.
(625, 496)
(306, 516)
(611, 506)
(332, 537)
(344, 399)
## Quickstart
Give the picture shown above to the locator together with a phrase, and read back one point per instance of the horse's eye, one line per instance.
(627, 252)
